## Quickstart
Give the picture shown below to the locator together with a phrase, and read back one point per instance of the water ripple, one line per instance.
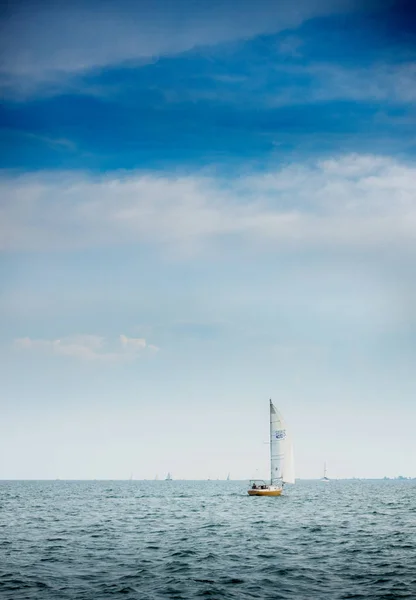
(186, 540)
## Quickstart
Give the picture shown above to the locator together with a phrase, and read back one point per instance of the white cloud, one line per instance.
(45, 40)
(133, 343)
(315, 82)
(377, 82)
(354, 201)
(88, 347)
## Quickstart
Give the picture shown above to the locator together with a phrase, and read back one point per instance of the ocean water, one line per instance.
(185, 540)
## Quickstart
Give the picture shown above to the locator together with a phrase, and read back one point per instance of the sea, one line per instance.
(150, 540)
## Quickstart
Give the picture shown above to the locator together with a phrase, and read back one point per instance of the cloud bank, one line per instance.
(89, 347)
(354, 201)
(41, 39)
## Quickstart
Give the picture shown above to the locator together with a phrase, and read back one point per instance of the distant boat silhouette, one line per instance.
(168, 477)
(325, 478)
(228, 477)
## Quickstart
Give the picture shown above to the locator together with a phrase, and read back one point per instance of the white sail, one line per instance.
(289, 462)
(281, 450)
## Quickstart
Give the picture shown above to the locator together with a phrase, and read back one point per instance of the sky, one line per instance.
(205, 204)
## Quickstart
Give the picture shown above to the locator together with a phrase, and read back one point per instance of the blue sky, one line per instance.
(204, 204)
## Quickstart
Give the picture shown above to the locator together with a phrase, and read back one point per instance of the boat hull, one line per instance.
(269, 492)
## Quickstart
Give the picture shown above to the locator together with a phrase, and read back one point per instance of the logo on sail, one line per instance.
(280, 434)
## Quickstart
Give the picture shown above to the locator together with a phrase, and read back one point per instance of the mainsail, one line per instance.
(281, 450)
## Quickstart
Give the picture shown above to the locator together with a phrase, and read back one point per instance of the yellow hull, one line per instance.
(264, 492)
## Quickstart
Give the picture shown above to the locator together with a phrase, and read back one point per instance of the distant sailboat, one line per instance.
(325, 478)
(228, 477)
(157, 478)
(168, 477)
(281, 459)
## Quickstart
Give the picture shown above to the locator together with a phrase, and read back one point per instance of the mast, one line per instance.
(271, 448)
(324, 470)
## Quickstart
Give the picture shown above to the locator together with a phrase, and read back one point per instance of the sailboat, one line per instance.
(228, 477)
(168, 477)
(325, 478)
(281, 459)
